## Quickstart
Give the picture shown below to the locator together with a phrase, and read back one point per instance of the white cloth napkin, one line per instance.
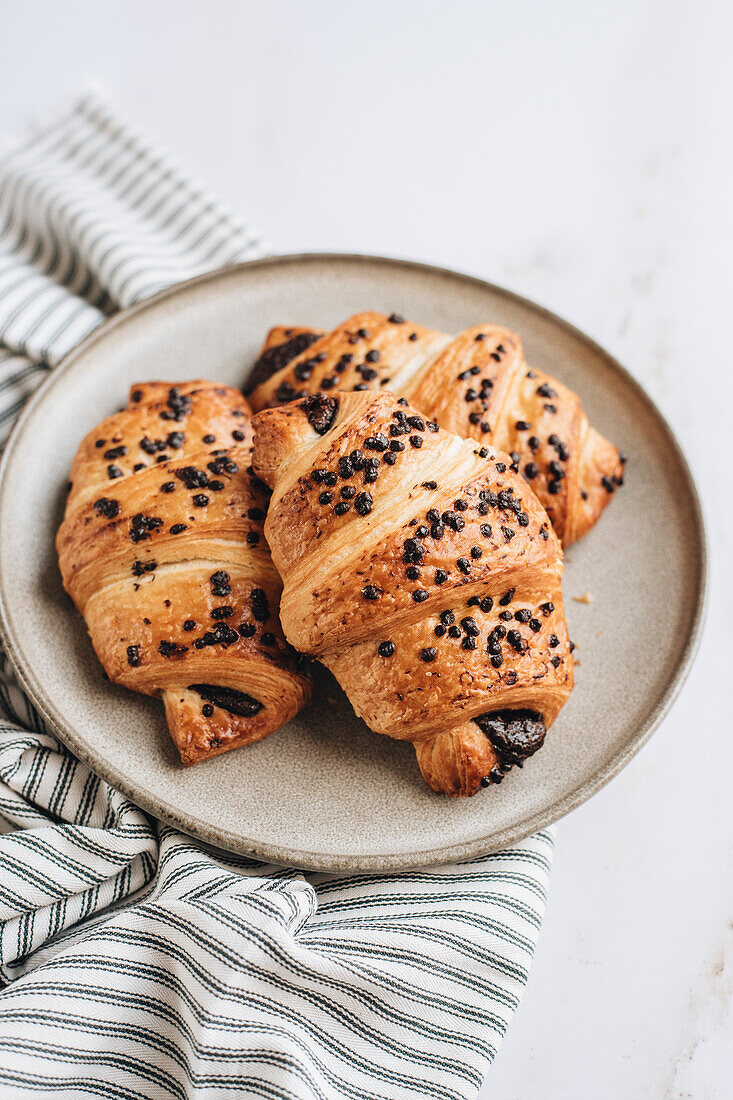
(134, 960)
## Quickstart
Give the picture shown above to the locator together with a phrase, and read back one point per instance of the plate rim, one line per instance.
(314, 861)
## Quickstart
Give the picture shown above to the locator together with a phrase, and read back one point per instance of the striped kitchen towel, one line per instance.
(134, 960)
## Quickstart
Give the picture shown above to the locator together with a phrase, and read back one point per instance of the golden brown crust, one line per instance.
(367, 352)
(455, 762)
(479, 386)
(168, 563)
(419, 569)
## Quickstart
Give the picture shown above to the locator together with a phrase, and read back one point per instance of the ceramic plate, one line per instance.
(324, 792)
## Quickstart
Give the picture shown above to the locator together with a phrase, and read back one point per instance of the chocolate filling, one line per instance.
(236, 702)
(320, 411)
(274, 359)
(515, 734)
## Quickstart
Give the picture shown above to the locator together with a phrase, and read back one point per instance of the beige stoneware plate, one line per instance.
(324, 792)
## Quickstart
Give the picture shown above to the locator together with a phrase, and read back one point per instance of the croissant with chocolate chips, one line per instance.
(477, 385)
(422, 571)
(162, 551)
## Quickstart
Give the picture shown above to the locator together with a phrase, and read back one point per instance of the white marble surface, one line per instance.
(579, 153)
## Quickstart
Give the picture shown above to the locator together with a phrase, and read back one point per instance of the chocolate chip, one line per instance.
(363, 504)
(178, 405)
(133, 655)
(115, 452)
(378, 442)
(371, 471)
(222, 634)
(369, 592)
(192, 477)
(236, 702)
(320, 411)
(286, 392)
(429, 654)
(260, 605)
(107, 507)
(141, 526)
(220, 585)
(516, 640)
(140, 568)
(172, 649)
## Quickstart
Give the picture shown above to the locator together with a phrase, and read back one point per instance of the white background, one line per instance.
(579, 153)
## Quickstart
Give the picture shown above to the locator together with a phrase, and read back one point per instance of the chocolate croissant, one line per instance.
(162, 550)
(422, 571)
(477, 385)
